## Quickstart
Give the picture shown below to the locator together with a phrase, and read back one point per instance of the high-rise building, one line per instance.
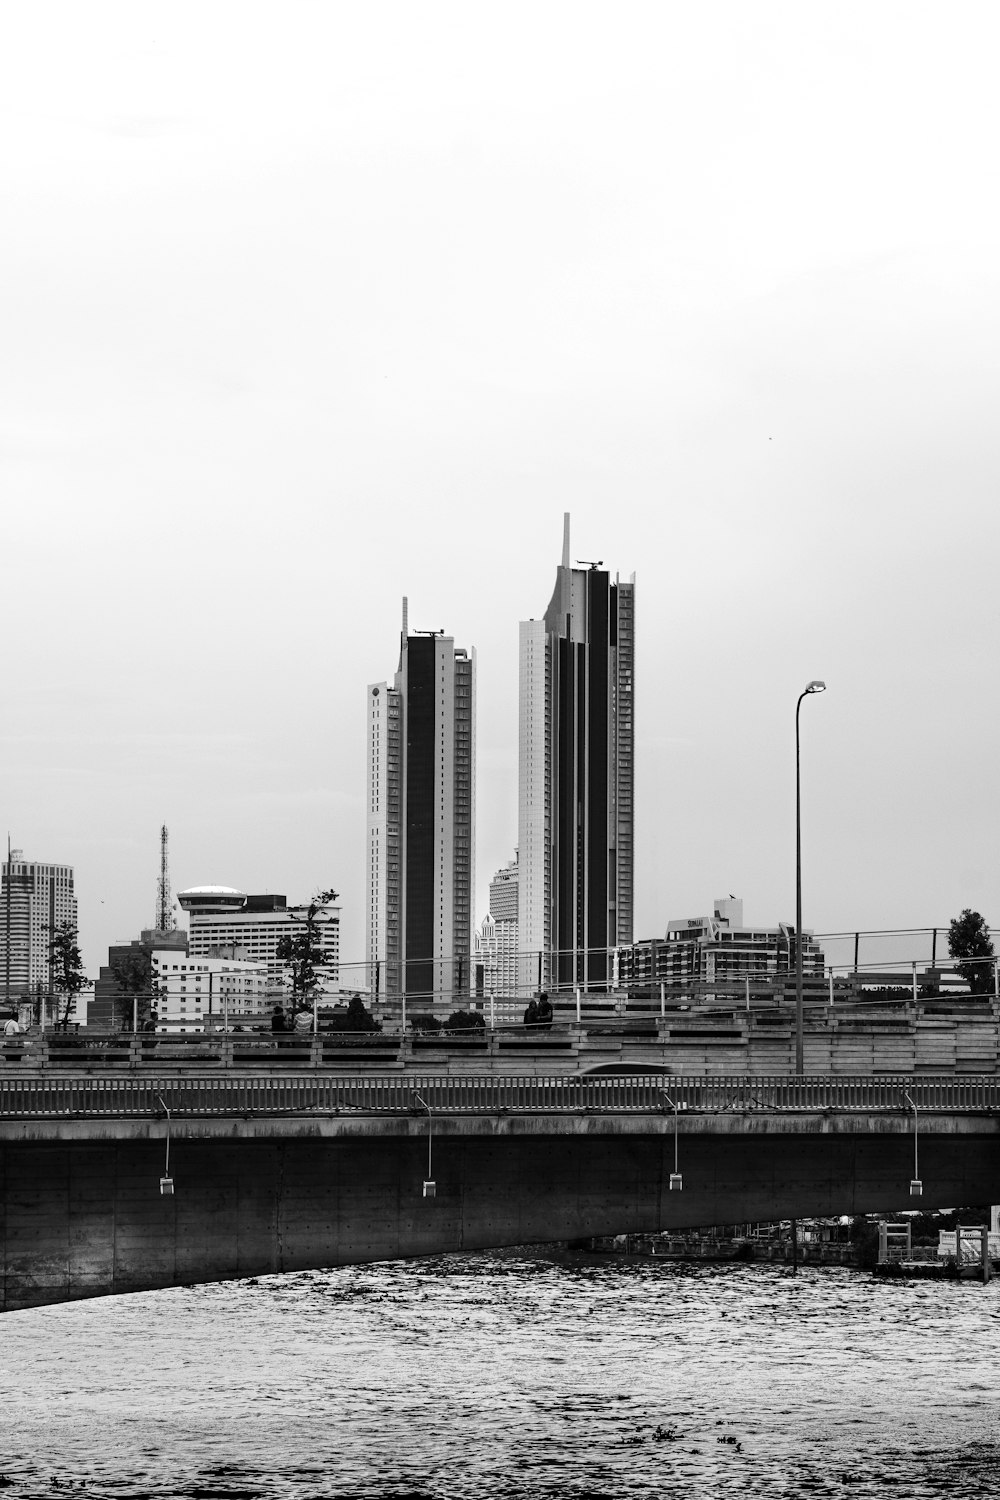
(576, 777)
(421, 820)
(34, 896)
(503, 893)
(496, 966)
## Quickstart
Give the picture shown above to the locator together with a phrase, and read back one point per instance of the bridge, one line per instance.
(271, 1171)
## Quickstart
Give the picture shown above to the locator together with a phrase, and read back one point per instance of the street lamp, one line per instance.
(810, 687)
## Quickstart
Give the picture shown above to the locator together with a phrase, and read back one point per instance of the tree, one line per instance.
(303, 956)
(132, 973)
(66, 966)
(969, 939)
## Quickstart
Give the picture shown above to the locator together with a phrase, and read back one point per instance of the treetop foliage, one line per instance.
(969, 939)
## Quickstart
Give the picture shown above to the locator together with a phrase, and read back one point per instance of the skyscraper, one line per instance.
(421, 819)
(575, 777)
(496, 959)
(34, 896)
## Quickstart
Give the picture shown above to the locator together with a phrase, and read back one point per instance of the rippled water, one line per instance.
(509, 1376)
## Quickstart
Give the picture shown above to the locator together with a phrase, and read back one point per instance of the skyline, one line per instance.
(312, 310)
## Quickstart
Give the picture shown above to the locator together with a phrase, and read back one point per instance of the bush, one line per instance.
(425, 1023)
(465, 1020)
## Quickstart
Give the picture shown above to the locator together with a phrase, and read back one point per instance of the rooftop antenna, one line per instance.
(565, 561)
(165, 919)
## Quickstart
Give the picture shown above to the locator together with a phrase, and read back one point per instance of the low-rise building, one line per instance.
(196, 994)
(720, 947)
(109, 1005)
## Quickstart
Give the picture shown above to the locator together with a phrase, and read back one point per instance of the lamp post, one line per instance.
(810, 687)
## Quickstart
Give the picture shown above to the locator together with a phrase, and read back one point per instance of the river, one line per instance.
(509, 1375)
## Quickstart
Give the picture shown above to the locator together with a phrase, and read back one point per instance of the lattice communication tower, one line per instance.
(166, 921)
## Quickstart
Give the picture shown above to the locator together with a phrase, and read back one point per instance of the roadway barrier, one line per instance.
(45, 1096)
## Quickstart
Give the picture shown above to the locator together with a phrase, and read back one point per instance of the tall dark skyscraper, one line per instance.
(421, 820)
(576, 778)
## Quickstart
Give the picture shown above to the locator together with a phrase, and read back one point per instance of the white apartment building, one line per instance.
(195, 994)
(227, 923)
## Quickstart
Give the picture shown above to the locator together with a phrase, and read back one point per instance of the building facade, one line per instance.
(226, 923)
(718, 948)
(576, 746)
(34, 896)
(421, 825)
(503, 892)
(108, 1005)
(200, 994)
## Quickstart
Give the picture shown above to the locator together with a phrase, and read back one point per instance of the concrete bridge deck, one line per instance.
(291, 1172)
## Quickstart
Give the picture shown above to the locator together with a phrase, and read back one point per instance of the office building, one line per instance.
(34, 897)
(226, 923)
(421, 821)
(718, 948)
(576, 777)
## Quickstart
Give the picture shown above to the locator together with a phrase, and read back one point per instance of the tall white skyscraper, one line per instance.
(576, 777)
(421, 820)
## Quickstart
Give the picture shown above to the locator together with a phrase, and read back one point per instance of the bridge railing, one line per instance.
(47, 1096)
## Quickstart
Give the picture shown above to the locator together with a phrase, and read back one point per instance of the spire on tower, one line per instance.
(565, 561)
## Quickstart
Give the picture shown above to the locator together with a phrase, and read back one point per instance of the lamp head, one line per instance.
(815, 687)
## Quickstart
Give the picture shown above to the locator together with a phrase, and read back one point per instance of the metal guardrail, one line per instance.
(48, 1096)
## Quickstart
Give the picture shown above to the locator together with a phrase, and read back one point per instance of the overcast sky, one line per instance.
(309, 306)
